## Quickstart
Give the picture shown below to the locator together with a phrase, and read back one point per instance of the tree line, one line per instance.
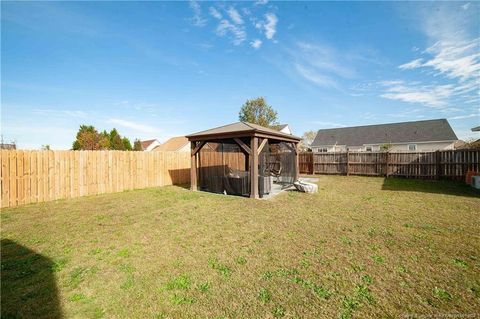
(88, 138)
(253, 111)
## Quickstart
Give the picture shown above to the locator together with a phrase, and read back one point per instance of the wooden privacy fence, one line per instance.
(40, 176)
(452, 164)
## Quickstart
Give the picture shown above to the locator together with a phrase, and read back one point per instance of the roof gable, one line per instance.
(173, 144)
(418, 131)
(146, 143)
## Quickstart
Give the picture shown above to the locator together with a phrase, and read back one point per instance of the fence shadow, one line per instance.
(28, 287)
(180, 177)
(429, 186)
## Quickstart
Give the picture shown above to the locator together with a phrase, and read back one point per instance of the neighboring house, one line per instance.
(284, 128)
(149, 145)
(175, 144)
(429, 135)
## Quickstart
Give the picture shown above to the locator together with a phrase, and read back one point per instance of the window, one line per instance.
(412, 147)
(368, 148)
(323, 150)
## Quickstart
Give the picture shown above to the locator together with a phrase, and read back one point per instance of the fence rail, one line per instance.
(452, 164)
(40, 176)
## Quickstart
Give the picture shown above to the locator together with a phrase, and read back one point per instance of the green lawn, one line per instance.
(363, 247)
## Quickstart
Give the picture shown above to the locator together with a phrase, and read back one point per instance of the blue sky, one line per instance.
(160, 69)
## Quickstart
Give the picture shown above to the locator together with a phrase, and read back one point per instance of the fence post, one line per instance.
(437, 164)
(387, 162)
(348, 163)
(313, 164)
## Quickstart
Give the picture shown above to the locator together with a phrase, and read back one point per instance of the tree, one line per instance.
(87, 138)
(104, 140)
(307, 140)
(116, 142)
(386, 147)
(137, 145)
(257, 111)
(46, 147)
(127, 146)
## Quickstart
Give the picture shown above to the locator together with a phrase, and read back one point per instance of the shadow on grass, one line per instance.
(28, 287)
(426, 186)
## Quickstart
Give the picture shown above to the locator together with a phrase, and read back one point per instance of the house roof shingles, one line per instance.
(146, 143)
(418, 131)
(173, 144)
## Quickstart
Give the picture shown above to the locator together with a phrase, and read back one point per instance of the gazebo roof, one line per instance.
(241, 129)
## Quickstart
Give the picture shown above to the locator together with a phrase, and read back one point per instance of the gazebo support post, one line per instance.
(193, 168)
(254, 167)
(297, 163)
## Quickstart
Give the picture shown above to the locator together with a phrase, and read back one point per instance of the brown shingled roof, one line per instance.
(146, 143)
(173, 144)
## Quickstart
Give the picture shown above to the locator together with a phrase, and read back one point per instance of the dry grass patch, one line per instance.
(360, 248)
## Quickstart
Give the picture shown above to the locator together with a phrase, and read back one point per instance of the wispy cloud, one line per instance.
(450, 64)
(429, 95)
(197, 18)
(235, 16)
(268, 26)
(461, 117)
(322, 64)
(256, 44)
(138, 127)
(215, 13)
(55, 112)
(237, 33)
(412, 64)
(324, 124)
(312, 75)
(261, 2)
(456, 60)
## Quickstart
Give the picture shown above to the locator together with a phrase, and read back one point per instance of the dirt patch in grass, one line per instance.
(357, 249)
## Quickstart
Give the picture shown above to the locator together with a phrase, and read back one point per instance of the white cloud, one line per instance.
(325, 58)
(235, 16)
(239, 35)
(261, 2)
(429, 95)
(197, 18)
(324, 65)
(328, 124)
(314, 76)
(271, 25)
(256, 44)
(268, 26)
(461, 117)
(54, 112)
(466, 6)
(412, 64)
(138, 127)
(215, 13)
(452, 59)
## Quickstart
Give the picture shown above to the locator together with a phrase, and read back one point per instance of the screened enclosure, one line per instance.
(246, 164)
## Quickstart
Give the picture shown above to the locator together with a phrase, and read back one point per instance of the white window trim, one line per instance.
(415, 147)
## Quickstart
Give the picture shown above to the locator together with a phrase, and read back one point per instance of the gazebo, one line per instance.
(243, 159)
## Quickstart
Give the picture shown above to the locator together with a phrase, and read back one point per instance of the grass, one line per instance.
(360, 248)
